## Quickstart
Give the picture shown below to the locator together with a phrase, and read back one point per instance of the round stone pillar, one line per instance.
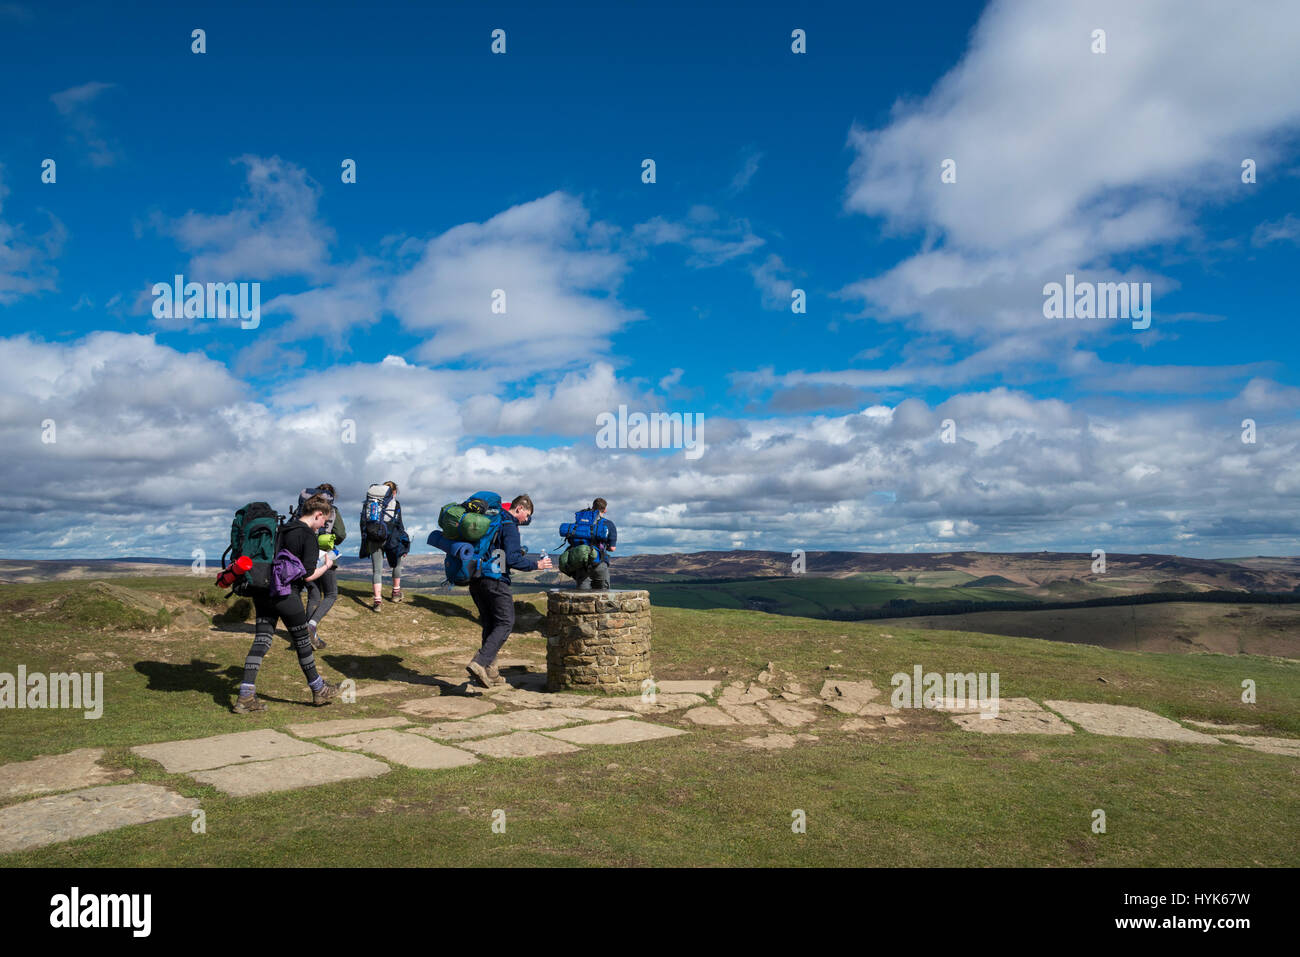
(597, 640)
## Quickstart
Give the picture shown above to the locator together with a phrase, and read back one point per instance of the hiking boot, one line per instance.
(494, 676)
(397, 594)
(327, 693)
(377, 604)
(317, 643)
(249, 705)
(479, 675)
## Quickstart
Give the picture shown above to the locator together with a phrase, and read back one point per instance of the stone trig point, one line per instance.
(597, 640)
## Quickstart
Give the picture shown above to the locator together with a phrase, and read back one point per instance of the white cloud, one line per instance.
(73, 105)
(26, 263)
(1066, 158)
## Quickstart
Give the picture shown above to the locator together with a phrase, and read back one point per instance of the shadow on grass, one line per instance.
(198, 675)
(447, 609)
(390, 668)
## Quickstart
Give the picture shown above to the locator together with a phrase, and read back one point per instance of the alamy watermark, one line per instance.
(214, 300)
(951, 691)
(84, 691)
(1100, 300)
(654, 430)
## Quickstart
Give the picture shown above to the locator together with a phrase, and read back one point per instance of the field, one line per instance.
(918, 794)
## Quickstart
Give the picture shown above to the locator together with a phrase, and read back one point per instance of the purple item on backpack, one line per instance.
(285, 570)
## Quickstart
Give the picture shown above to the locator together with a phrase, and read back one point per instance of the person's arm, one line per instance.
(302, 542)
(510, 544)
(613, 535)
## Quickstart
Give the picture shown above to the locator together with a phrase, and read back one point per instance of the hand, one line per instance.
(544, 562)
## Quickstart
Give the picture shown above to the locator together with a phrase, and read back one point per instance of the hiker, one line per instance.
(296, 551)
(384, 536)
(590, 536)
(491, 589)
(324, 591)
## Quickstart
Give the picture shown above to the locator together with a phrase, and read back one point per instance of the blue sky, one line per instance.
(775, 170)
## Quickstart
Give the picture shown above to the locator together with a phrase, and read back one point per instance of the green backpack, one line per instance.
(254, 532)
(577, 560)
(469, 521)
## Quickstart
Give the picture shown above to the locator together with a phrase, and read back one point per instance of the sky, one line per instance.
(501, 276)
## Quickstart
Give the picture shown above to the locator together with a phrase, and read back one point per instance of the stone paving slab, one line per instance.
(1287, 746)
(616, 732)
(1014, 722)
(464, 730)
(402, 747)
(787, 714)
(848, 697)
(199, 754)
(662, 703)
(1123, 721)
(745, 713)
(288, 774)
(447, 706)
(540, 699)
(709, 715)
(322, 729)
(687, 687)
(65, 817)
(593, 714)
(1004, 704)
(521, 744)
(58, 772)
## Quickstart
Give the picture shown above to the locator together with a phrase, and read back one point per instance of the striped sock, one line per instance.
(317, 684)
(246, 690)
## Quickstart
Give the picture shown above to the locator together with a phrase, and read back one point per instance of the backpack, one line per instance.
(254, 533)
(373, 524)
(577, 560)
(302, 500)
(470, 520)
(473, 559)
(587, 528)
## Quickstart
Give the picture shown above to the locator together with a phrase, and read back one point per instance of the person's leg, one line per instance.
(377, 575)
(322, 593)
(263, 632)
(290, 611)
(314, 597)
(501, 602)
(397, 579)
(580, 583)
(600, 576)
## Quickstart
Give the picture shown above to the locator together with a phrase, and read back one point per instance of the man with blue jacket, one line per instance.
(599, 572)
(492, 596)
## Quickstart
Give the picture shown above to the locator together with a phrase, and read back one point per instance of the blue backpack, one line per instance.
(466, 561)
(587, 528)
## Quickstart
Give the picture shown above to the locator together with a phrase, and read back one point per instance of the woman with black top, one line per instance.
(297, 538)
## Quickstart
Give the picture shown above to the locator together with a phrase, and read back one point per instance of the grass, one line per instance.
(920, 795)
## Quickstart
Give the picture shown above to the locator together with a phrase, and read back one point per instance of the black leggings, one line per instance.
(289, 610)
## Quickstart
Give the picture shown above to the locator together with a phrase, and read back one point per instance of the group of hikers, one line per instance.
(273, 561)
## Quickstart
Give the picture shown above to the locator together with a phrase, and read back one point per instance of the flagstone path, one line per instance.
(460, 727)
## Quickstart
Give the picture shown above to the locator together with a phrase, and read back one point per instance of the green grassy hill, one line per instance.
(926, 793)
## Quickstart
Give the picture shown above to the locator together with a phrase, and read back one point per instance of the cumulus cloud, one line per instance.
(1065, 158)
(149, 437)
(26, 262)
(544, 262)
(273, 230)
